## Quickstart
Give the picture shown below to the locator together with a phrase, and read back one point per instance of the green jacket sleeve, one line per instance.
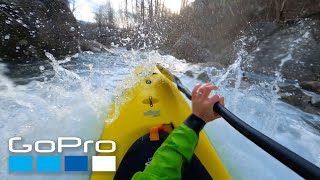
(177, 149)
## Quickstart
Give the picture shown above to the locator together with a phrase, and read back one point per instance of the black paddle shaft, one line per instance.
(295, 162)
(292, 160)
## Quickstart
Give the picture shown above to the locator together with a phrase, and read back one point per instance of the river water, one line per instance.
(73, 97)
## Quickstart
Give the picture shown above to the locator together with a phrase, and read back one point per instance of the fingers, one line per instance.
(217, 99)
(214, 99)
(195, 90)
(204, 90)
(221, 101)
(214, 87)
(207, 88)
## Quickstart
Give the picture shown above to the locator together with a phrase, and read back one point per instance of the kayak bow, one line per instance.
(153, 101)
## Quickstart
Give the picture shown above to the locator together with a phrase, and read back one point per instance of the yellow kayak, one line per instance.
(151, 102)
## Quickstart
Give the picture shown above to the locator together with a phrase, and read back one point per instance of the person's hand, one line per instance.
(201, 103)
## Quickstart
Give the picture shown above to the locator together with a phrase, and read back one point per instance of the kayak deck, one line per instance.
(153, 101)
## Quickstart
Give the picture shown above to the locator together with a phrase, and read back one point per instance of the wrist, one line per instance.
(195, 123)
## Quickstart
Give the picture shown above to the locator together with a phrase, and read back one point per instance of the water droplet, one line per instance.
(42, 68)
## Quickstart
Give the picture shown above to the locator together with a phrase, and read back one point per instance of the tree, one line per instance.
(73, 5)
(99, 19)
(110, 12)
(280, 5)
(184, 4)
(150, 11)
(142, 11)
(126, 13)
(156, 8)
(105, 14)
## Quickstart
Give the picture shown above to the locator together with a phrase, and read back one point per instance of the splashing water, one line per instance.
(75, 101)
(259, 106)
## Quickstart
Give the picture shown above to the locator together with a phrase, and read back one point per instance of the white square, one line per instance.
(103, 163)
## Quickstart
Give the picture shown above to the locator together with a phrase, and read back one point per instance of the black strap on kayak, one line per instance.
(292, 160)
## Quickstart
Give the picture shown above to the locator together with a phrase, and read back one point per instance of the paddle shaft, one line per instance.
(292, 160)
(295, 162)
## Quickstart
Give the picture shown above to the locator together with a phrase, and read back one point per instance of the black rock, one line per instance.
(204, 77)
(313, 86)
(290, 50)
(294, 96)
(189, 73)
(29, 28)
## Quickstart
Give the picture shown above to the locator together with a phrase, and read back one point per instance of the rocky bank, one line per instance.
(29, 28)
(281, 39)
(288, 53)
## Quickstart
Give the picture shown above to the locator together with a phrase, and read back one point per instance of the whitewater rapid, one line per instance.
(74, 101)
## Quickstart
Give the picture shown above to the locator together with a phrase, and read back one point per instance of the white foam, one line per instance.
(75, 102)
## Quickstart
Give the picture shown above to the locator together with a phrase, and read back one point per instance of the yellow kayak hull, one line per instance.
(133, 118)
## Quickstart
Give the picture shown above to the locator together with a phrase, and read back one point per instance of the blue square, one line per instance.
(48, 164)
(20, 163)
(76, 163)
